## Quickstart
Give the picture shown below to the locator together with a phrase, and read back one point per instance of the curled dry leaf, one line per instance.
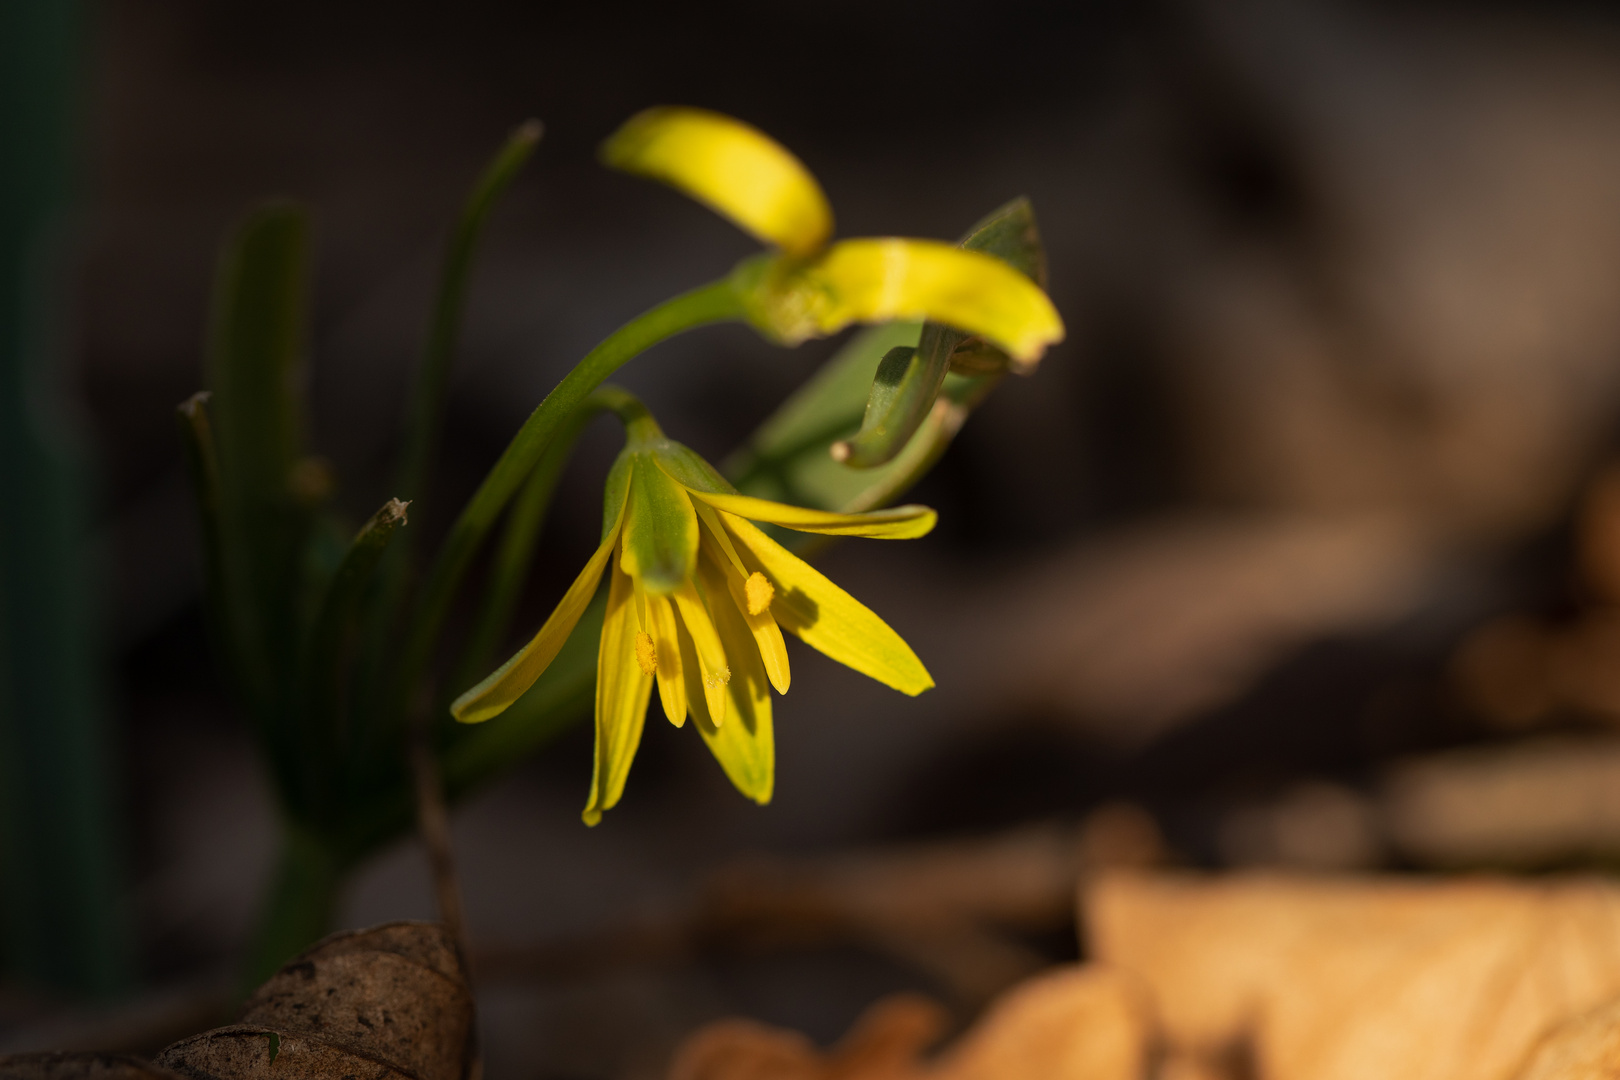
(244, 1050)
(1325, 979)
(1075, 1023)
(389, 1001)
(80, 1067)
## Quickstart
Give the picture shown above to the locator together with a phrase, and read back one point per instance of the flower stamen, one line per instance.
(716, 679)
(760, 592)
(646, 653)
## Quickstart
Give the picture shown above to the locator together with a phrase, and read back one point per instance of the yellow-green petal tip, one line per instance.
(734, 168)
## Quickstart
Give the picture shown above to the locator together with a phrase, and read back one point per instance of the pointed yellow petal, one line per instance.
(877, 280)
(762, 626)
(660, 529)
(896, 523)
(826, 617)
(621, 699)
(713, 668)
(714, 535)
(745, 745)
(667, 642)
(736, 169)
(509, 681)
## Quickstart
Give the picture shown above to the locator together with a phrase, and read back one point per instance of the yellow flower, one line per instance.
(812, 288)
(698, 598)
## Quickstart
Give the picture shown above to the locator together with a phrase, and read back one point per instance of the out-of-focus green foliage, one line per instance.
(62, 901)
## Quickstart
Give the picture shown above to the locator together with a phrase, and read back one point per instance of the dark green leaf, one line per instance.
(324, 739)
(255, 366)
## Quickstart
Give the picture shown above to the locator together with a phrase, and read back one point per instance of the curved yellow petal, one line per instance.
(508, 682)
(622, 691)
(714, 669)
(876, 280)
(895, 523)
(667, 642)
(734, 168)
(767, 635)
(826, 617)
(745, 745)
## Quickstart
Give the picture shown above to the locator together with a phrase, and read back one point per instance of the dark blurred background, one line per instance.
(1294, 553)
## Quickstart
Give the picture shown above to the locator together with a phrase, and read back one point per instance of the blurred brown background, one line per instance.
(1295, 552)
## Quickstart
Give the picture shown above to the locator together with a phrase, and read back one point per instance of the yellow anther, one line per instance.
(646, 654)
(759, 591)
(716, 679)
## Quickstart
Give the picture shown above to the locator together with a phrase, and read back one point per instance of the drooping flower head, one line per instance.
(811, 286)
(698, 597)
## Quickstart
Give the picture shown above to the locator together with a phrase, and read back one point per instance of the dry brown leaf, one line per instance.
(1074, 1023)
(1330, 979)
(392, 1000)
(80, 1067)
(1077, 1023)
(1587, 1048)
(241, 1051)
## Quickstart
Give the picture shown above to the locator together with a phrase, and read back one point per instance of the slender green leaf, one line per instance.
(426, 415)
(202, 464)
(323, 741)
(427, 406)
(255, 367)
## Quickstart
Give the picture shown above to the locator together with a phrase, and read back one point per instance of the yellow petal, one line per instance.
(621, 699)
(736, 169)
(713, 667)
(896, 523)
(715, 534)
(667, 642)
(762, 626)
(877, 280)
(508, 682)
(826, 617)
(745, 745)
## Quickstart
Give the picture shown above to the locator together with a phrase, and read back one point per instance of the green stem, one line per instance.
(523, 524)
(711, 303)
(511, 569)
(303, 898)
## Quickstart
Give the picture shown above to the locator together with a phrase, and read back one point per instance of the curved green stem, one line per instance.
(715, 302)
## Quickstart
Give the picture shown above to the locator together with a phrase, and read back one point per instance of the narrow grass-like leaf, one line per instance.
(202, 465)
(426, 417)
(323, 738)
(427, 405)
(255, 366)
